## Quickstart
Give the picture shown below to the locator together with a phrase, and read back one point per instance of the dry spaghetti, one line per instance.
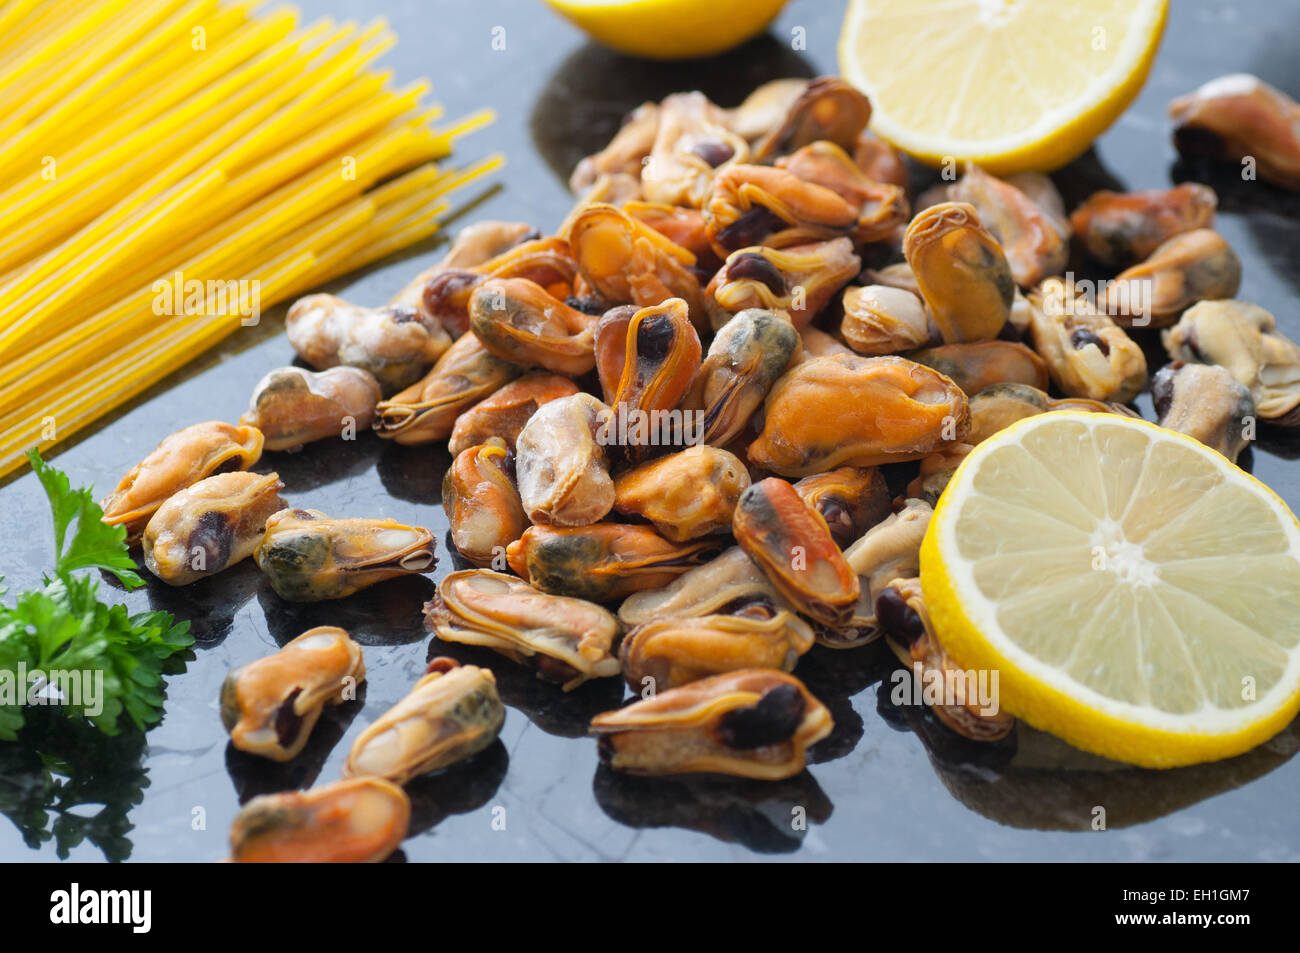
(140, 139)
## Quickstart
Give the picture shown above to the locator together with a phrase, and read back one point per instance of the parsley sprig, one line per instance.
(64, 625)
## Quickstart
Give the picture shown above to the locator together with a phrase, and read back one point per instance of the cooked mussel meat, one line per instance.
(1240, 117)
(882, 207)
(685, 495)
(1088, 355)
(271, 705)
(998, 407)
(427, 410)
(309, 557)
(961, 272)
(851, 500)
(828, 108)
(1029, 237)
(561, 465)
(857, 411)
(790, 541)
(691, 142)
(755, 723)
(544, 261)
(505, 412)
(482, 504)
(1194, 266)
(359, 820)
(660, 357)
(182, 459)
(890, 549)
(905, 620)
(627, 262)
(566, 641)
(1206, 402)
(733, 579)
(1244, 338)
(667, 653)
(979, 364)
(521, 322)
(879, 319)
(746, 357)
(605, 561)
(625, 153)
(761, 205)
(452, 713)
(1121, 228)
(395, 343)
(211, 525)
(799, 280)
(293, 406)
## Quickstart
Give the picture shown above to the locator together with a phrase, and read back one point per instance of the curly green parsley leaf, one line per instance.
(62, 644)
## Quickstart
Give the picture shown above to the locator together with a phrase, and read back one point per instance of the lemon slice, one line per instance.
(1014, 85)
(669, 29)
(1136, 592)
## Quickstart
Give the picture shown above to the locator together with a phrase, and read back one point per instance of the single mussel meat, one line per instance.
(605, 561)
(685, 495)
(211, 525)
(851, 500)
(293, 406)
(1206, 402)
(844, 409)
(905, 620)
(755, 723)
(505, 412)
(270, 705)
(879, 319)
(1121, 228)
(427, 410)
(667, 653)
(799, 280)
(359, 820)
(1191, 267)
(561, 463)
(790, 541)
(961, 272)
(395, 343)
(452, 713)
(566, 641)
(310, 557)
(482, 504)
(521, 322)
(745, 359)
(1237, 118)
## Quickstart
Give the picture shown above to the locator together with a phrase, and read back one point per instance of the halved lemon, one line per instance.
(670, 29)
(1014, 85)
(1136, 592)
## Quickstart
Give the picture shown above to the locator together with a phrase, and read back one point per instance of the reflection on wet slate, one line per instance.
(387, 613)
(66, 782)
(770, 817)
(210, 604)
(414, 473)
(463, 787)
(1032, 780)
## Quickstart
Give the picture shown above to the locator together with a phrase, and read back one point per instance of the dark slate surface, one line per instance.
(886, 786)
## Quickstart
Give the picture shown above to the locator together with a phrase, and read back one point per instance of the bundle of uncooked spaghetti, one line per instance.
(151, 142)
